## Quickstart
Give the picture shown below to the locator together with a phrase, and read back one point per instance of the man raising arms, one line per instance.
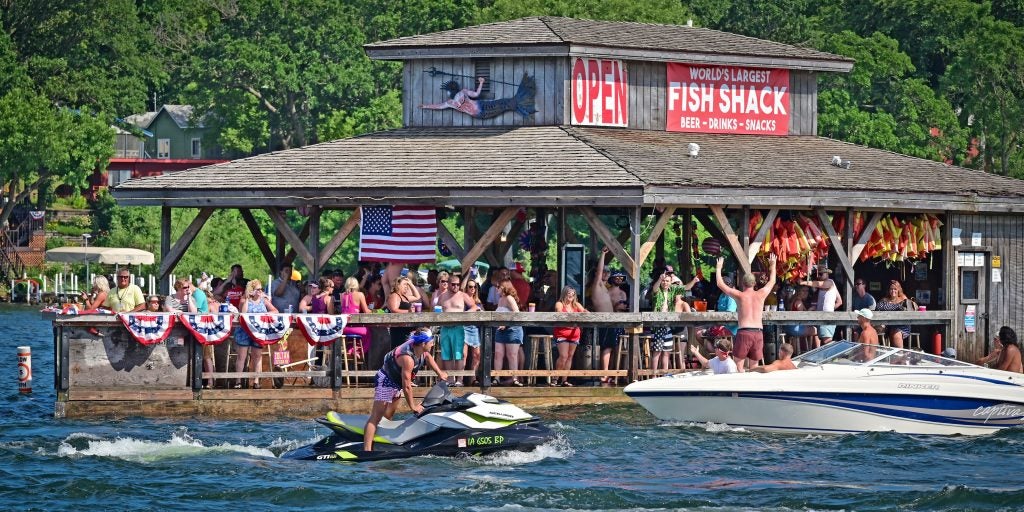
(749, 311)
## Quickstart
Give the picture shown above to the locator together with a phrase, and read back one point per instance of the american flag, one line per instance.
(398, 233)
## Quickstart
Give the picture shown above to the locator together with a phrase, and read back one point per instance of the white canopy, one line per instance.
(107, 255)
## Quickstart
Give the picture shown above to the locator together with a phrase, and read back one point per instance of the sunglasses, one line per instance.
(124, 277)
(443, 281)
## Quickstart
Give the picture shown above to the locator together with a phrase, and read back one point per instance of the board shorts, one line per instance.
(453, 338)
(386, 390)
(748, 343)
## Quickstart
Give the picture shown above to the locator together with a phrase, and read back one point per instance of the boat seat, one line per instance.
(395, 432)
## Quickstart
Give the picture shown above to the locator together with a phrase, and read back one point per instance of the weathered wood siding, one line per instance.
(421, 88)
(118, 361)
(647, 93)
(1003, 236)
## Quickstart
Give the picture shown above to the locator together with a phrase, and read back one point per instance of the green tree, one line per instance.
(649, 11)
(881, 104)
(986, 80)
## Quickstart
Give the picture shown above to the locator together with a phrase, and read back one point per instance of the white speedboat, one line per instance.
(845, 387)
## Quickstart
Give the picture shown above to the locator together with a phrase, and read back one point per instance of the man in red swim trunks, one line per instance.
(749, 340)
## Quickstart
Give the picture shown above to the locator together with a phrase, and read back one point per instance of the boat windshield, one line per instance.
(848, 352)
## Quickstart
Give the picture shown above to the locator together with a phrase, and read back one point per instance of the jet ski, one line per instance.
(473, 424)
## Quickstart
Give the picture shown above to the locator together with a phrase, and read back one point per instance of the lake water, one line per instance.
(607, 457)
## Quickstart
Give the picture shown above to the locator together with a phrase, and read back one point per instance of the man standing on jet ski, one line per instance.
(394, 380)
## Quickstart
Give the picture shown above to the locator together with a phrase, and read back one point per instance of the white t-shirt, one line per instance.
(827, 297)
(719, 366)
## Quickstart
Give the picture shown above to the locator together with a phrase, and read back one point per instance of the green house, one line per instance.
(176, 135)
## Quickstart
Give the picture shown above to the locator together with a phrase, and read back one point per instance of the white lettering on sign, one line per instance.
(719, 99)
(600, 92)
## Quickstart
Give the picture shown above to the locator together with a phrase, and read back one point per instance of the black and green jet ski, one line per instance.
(473, 424)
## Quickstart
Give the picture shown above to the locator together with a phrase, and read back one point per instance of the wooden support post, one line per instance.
(165, 247)
(336, 347)
(655, 236)
(602, 231)
(686, 263)
(173, 256)
(634, 288)
(848, 236)
(313, 241)
(634, 354)
(195, 363)
(745, 231)
(837, 244)
(734, 242)
(486, 357)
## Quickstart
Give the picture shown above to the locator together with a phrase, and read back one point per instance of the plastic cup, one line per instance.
(438, 309)
(417, 307)
(531, 307)
(922, 308)
(372, 306)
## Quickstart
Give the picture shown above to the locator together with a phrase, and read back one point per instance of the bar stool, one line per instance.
(353, 343)
(677, 357)
(914, 342)
(540, 344)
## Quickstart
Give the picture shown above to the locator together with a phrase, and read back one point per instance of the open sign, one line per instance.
(600, 92)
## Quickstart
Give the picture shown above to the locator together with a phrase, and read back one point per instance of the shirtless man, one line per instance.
(452, 299)
(601, 302)
(1009, 356)
(868, 334)
(749, 344)
(784, 362)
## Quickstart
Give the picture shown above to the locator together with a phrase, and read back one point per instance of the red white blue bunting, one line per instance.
(208, 328)
(266, 328)
(148, 328)
(322, 329)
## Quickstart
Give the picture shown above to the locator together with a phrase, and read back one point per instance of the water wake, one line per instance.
(180, 445)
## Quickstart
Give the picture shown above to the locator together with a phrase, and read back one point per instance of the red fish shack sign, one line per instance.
(723, 99)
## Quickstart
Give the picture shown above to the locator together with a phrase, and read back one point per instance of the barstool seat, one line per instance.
(353, 344)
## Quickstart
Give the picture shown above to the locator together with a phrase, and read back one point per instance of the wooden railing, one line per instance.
(633, 323)
(11, 266)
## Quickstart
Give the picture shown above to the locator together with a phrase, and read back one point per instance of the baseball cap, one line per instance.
(866, 313)
(616, 274)
(669, 269)
(949, 352)
(518, 267)
(296, 276)
(313, 283)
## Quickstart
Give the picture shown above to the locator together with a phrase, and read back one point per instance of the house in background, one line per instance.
(155, 143)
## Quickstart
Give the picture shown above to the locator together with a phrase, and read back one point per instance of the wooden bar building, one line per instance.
(656, 125)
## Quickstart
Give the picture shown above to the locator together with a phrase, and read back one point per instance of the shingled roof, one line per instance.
(535, 166)
(674, 41)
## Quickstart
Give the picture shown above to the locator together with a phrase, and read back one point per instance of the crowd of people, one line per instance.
(397, 289)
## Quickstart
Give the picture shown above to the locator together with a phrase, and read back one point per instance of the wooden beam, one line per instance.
(163, 287)
(837, 243)
(659, 228)
(173, 256)
(339, 238)
(488, 237)
(755, 244)
(450, 241)
(613, 245)
(289, 257)
(296, 242)
(261, 241)
(313, 240)
(710, 226)
(512, 238)
(865, 236)
(730, 236)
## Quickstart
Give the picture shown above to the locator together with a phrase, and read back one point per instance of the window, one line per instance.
(481, 67)
(969, 286)
(117, 177)
(197, 148)
(163, 148)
